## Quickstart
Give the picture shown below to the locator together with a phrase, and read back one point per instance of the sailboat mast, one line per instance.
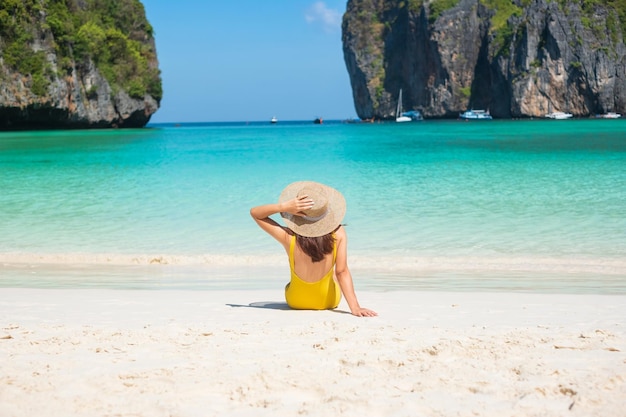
(399, 106)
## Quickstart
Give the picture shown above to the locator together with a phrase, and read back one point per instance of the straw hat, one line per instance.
(326, 214)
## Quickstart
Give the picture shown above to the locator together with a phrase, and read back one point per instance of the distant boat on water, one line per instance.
(274, 120)
(406, 116)
(414, 115)
(609, 115)
(318, 121)
(559, 115)
(475, 115)
(399, 116)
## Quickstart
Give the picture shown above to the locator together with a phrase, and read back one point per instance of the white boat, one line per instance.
(399, 116)
(274, 120)
(559, 115)
(610, 115)
(475, 115)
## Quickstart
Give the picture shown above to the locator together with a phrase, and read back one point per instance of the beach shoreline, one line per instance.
(87, 352)
(529, 275)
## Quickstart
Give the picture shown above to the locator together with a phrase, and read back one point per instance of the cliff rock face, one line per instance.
(76, 64)
(523, 58)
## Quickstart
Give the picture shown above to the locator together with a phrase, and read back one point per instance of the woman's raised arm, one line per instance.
(261, 215)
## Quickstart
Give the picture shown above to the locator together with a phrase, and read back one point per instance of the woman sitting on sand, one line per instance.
(316, 244)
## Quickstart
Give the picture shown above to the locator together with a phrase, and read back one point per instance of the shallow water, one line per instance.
(436, 204)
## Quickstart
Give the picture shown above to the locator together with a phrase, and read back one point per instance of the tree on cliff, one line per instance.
(82, 62)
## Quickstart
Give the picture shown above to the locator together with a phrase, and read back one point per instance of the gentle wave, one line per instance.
(386, 264)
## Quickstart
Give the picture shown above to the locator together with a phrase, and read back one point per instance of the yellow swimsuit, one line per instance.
(318, 295)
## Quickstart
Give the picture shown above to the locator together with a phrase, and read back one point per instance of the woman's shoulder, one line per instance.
(340, 232)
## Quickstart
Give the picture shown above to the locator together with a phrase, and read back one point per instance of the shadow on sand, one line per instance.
(275, 305)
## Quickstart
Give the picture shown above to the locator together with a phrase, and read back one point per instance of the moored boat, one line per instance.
(475, 115)
(414, 115)
(559, 115)
(400, 117)
(610, 115)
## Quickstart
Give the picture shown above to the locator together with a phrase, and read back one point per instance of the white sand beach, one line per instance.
(97, 352)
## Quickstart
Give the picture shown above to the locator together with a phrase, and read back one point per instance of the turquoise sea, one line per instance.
(530, 205)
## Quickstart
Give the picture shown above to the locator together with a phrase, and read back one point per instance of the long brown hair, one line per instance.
(316, 247)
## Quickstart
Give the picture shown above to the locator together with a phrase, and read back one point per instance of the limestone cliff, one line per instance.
(76, 64)
(520, 58)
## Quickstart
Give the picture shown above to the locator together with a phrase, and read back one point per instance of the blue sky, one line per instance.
(249, 60)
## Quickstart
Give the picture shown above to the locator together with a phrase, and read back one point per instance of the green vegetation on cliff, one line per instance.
(589, 6)
(504, 9)
(439, 6)
(114, 34)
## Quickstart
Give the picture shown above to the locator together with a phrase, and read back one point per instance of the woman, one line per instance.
(316, 245)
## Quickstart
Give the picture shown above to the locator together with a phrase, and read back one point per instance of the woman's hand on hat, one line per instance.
(298, 205)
